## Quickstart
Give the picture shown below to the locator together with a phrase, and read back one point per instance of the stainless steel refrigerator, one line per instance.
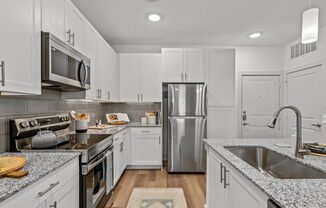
(184, 126)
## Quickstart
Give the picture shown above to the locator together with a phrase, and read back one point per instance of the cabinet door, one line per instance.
(101, 69)
(194, 70)
(129, 77)
(53, 17)
(20, 50)
(126, 139)
(112, 79)
(67, 196)
(172, 63)
(151, 83)
(152, 145)
(74, 26)
(243, 194)
(116, 162)
(90, 52)
(221, 122)
(217, 195)
(220, 77)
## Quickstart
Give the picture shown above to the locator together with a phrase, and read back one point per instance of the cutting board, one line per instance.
(100, 127)
(10, 164)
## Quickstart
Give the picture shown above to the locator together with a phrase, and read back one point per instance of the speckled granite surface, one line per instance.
(118, 128)
(38, 165)
(288, 193)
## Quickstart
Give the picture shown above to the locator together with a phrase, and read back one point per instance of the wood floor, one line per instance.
(194, 185)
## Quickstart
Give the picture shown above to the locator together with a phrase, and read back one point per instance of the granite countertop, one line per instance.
(117, 128)
(39, 164)
(288, 193)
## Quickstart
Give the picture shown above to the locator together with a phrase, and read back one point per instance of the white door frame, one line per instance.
(241, 74)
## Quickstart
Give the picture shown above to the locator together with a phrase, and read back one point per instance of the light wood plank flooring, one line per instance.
(194, 185)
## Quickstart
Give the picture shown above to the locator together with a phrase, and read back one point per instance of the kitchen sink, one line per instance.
(274, 164)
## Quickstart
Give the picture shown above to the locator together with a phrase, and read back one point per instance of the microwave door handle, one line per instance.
(86, 74)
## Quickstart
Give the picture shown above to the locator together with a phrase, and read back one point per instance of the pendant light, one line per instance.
(310, 25)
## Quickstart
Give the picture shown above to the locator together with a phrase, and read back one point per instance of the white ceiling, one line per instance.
(198, 22)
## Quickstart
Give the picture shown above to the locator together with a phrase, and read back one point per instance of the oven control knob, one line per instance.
(24, 124)
(62, 119)
(67, 118)
(33, 123)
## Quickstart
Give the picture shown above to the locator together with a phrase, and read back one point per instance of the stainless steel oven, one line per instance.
(94, 180)
(63, 67)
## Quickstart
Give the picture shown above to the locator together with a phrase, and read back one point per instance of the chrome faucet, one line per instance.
(299, 150)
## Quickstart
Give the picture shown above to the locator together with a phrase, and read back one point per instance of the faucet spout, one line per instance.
(299, 151)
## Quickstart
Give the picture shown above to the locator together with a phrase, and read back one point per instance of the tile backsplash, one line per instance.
(50, 102)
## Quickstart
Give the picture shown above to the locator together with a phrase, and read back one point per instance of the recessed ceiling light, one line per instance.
(255, 35)
(154, 17)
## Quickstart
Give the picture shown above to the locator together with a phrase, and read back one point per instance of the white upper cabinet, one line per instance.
(130, 65)
(101, 68)
(220, 77)
(111, 91)
(74, 26)
(140, 79)
(194, 65)
(20, 51)
(151, 85)
(183, 65)
(53, 17)
(172, 62)
(91, 53)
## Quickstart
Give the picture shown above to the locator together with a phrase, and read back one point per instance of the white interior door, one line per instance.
(260, 99)
(304, 91)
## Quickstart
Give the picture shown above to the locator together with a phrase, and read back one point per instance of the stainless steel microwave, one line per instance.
(63, 67)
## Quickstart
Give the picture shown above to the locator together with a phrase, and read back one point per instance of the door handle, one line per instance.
(316, 125)
(52, 185)
(73, 39)
(54, 205)
(109, 95)
(138, 97)
(225, 183)
(69, 36)
(221, 172)
(142, 97)
(3, 81)
(246, 124)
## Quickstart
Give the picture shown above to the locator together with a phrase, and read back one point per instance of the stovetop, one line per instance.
(89, 145)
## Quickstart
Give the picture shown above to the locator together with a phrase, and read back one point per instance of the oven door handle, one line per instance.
(82, 81)
(87, 168)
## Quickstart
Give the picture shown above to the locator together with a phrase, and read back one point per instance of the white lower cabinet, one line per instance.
(58, 189)
(227, 188)
(119, 154)
(146, 147)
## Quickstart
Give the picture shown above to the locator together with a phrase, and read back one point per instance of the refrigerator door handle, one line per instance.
(204, 101)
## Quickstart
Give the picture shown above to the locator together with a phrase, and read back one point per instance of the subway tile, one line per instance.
(11, 106)
(38, 106)
(57, 106)
(4, 125)
(4, 142)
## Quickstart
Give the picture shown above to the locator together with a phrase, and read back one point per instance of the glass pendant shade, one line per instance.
(310, 25)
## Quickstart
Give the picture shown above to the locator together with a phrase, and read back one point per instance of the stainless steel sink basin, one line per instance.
(274, 164)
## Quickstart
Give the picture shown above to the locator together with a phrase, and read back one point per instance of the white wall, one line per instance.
(306, 59)
(262, 58)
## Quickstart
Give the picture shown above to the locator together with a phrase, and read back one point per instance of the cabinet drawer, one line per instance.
(147, 130)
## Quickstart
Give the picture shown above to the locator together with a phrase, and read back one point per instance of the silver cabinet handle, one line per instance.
(225, 183)
(121, 146)
(54, 205)
(109, 95)
(316, 125)
(145, 131)
(52, 185)
(246, 124)
(142, 97)
(100, 94)
(69, 36)
(73, 39)
(186, 76)
(182, 76)
(221, 172)
(3, 78)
